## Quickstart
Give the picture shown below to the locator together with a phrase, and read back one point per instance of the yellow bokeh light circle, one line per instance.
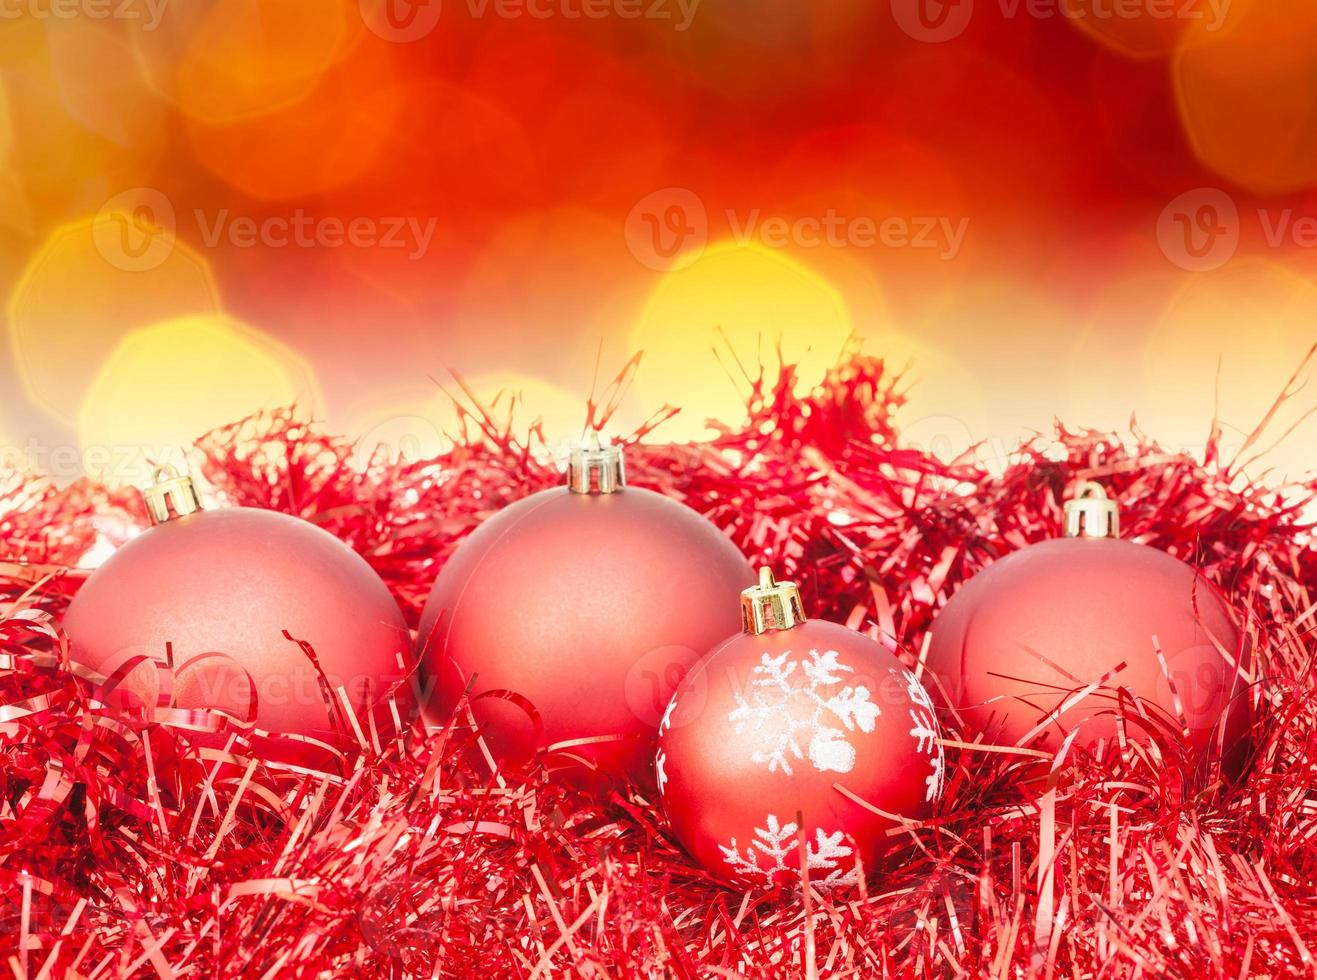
(736, 303)
(81, 293)
(1245, 93)
(166, 385)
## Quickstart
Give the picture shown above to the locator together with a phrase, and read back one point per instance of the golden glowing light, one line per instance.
(421, 425)
(330, 137)
(1246, 97)
(1103, 377)
(570, 254)
(6, 120)
(944, 409)
(981, 350)
(88, 285)
(54, 152)
(12, 456)
(164, 386)
(15, 209)
(1263, 314)
(249, 57)
(521, 400)
(736, 303)
(398, 189)
(93, 66)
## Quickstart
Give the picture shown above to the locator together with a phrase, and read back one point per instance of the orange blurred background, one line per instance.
(1084, 209)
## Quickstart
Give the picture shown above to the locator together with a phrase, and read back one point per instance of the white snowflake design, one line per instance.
(661, 759)
(775, 852)
(666, 723)
(773, 712)
(924, 731)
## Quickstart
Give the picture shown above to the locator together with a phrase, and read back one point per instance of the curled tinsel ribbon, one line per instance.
(127, 850)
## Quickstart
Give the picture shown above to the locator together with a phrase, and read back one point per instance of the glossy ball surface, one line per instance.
(220, 587)
(1016, 640)
(757, 736)
(589, 609)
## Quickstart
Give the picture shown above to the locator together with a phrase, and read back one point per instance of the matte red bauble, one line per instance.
(217, 590)
(586, 604)
(759, 735)
(1044, 626)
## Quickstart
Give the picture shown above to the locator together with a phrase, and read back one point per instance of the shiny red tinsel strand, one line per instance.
(123, 853)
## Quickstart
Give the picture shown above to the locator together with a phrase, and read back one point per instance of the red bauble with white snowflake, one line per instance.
(763, 736)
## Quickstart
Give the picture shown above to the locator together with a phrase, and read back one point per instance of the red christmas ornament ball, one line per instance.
(1044, 623)
(761, 731)
(572, 614)
(219, 589)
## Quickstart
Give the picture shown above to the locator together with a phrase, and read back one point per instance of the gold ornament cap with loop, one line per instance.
(170, 495)
(1091, 514)
(771, 605)
(595, 468)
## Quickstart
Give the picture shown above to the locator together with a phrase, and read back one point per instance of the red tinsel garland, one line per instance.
(123, 853)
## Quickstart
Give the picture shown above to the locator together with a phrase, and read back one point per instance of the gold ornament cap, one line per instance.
(1091, 514)
(171, 495)
(595, 468)
(771, 605)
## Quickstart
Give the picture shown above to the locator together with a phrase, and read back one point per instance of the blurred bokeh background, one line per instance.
(1084, 209)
